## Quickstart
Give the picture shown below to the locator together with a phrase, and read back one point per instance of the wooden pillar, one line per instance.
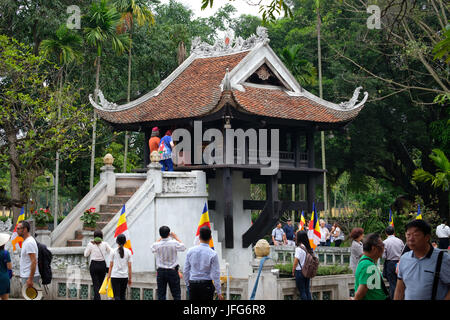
(310, 148)
(147, 147)
(296, 147)
(228, 208)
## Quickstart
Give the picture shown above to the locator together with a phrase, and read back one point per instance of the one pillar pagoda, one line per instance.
(239, 84)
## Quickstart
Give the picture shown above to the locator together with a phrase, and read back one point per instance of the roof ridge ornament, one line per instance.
(224, 46)
(351, 104)
(226, 84)
(105, 104)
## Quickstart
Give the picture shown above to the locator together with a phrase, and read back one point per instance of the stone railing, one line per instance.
(327, 255)
(66, 229)
(72, 280)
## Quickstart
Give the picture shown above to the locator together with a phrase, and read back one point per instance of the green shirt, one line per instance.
(368, 273)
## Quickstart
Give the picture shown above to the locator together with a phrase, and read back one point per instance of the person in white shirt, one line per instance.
(97, 250)
(165, 250)
(443, 233)
(324, 233)
(29, 271)
(278, 236)
(337, 234)
(393, 248)
(120, 268)
(356, 249)
(303, 284)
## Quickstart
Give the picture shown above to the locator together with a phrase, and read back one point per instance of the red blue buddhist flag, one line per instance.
(204, 222)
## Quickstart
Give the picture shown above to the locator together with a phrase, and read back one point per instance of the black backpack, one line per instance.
(44, 263)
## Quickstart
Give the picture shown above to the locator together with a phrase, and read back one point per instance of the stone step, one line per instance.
(118, 199)
(74, 243)
(125, 191)
(105, 217)
(110, 208)
(101, 224)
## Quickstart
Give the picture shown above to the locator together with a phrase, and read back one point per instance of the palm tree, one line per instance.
(303, 70)
(132, 10)
(442, 177)
(65, 45)
(101, 23)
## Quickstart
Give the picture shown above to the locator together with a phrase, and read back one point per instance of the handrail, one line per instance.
(78, 210)
(136, 200)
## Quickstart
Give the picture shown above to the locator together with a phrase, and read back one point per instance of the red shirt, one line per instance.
(153, 143)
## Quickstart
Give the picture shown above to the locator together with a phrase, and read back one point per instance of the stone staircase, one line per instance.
(107, 212)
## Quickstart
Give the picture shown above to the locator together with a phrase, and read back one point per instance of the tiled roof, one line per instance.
(278, 104)
(193, 93)
(196, 91)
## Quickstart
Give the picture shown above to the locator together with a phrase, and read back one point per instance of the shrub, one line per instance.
(286, 269)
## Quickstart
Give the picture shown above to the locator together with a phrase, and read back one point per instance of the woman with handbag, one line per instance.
(5, 267)
(97, 250)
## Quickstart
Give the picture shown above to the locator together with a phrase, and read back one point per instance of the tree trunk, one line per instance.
(14, 160)
(128, 100)
(94, 126)
(55, 206)
(322, 134)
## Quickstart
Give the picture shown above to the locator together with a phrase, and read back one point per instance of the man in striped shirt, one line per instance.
(166, 249)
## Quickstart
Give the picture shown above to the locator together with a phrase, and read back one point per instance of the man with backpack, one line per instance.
(29, 271)
(423, 272)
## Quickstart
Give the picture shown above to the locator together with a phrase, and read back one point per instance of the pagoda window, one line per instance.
(264, 76)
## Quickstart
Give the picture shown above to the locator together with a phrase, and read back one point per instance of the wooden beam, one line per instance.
(288, 205)
(269, 215)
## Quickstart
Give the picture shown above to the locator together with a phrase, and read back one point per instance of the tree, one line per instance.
(440, 179)
(267, 11)
(303, 70)
(101, 23)
(30, 131)
(132, 10)
(66, 46)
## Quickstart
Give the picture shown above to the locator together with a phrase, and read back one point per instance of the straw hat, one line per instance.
(4, 238)
(31, 293)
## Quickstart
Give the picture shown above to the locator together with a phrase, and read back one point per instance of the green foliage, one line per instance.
(29, 123)
(100, 26)
(65, 45)
(441, 178)
(286, 269)
(442, 48)
(90, 218)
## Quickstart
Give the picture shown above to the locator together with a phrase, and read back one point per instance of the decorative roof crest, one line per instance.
(351, 104)
(105, 104)
(228, 44)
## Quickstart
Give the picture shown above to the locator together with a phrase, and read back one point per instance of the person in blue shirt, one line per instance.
(202, 269)
(290, 233)
(5, 265)
(166, 151)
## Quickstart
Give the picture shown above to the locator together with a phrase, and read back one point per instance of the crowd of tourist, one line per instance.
(415, 270)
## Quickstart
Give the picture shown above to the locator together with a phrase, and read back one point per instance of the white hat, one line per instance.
(4, 238)
(31, 293)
